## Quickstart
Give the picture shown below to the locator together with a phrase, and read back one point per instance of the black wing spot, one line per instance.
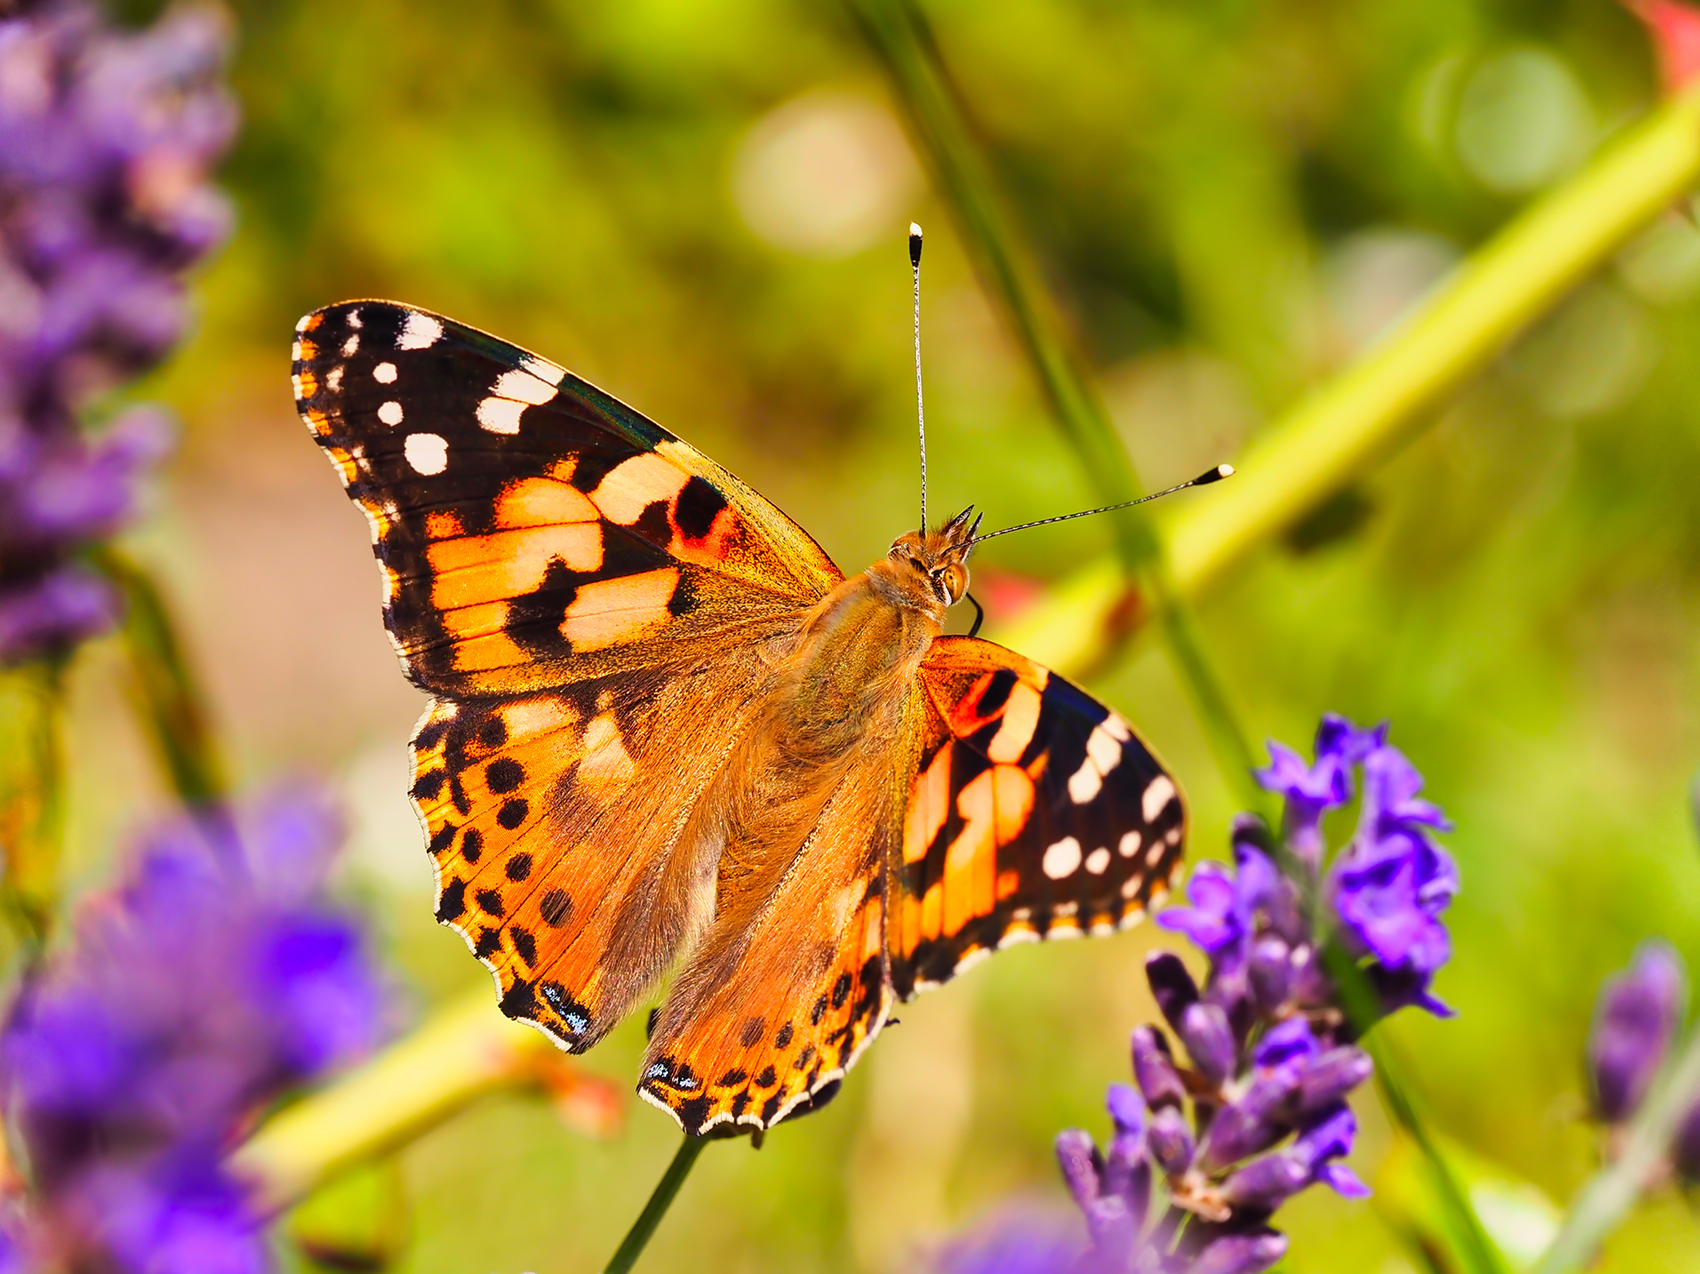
(524, 943)
(520, 1000)
(996, 694)
(697, 507)
(451, 905)
(732, 1078)
(840, 990)
(768, 1078)
(752, 1031)
(472, 845)
(427, 786)
(804, 1058)
(513, 812)
(819, 1011)
(442, 839)
(494, 732)
(556, 908)
(692, 1112)
(489, 942)
(490, 902)
(783, 1039)
(518, 867)
(504, 775)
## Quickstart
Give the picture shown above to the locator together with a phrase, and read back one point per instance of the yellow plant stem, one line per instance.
(461, 1053)
(1378, 403)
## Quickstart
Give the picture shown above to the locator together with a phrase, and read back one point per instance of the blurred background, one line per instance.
(701, 208)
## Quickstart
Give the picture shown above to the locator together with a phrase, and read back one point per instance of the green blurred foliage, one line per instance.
(701, 207)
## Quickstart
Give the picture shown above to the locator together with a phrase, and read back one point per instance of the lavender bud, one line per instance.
(1241, 1254)
(1170, 1141)
(1171, 986)
(1270, 972)
(1255, 1122)
(1266, 1183)
(1633, 1025)
(1110, 1224)
(1082, 1166)
(1154, 1069)
(1209, 1041)
(1328, 1078)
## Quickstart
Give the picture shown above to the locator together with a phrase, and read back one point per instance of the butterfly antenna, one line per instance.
(920, 409)
(1204, 479)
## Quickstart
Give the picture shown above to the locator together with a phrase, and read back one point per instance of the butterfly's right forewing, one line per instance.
(596, 605)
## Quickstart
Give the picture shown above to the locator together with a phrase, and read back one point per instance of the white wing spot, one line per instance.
(390, 414)
(1131, 885)
(295, 384)
(1116, 727)
(1172, 836)
(1097, 861)
(1085, 782)
(301, 323)
(333, 379)
(1158, 793)
(1129, 844)
(384, 373)
(543, 369)
(421, 331)
(427, 453)
(500, 415)
(354, 318)
(351, 345)
(295, 347)
(1104, 748)
(523, 386)
(1062, 859)
(1155, 856)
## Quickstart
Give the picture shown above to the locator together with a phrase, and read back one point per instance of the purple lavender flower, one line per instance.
(105, 141)
(213, 979)
(1637, 1017)
(1206, 1152)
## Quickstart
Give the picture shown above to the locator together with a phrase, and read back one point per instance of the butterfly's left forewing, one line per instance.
(1034, 812)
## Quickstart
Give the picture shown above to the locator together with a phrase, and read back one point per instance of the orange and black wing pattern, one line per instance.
(532, 530)
(771, 1011)
(1035, 812)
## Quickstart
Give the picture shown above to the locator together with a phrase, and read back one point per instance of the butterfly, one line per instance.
(666, 731)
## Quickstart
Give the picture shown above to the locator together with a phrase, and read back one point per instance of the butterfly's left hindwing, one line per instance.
(1035, 812)
(533, 531)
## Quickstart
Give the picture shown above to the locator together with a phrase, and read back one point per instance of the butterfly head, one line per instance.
(931, 567)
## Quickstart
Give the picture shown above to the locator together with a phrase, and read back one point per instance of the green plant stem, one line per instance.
(1480, 1251)
(643, 1229)
(1613, 1190)
(1391, 393)
(899, 35)
(32, 794)
(172, 705)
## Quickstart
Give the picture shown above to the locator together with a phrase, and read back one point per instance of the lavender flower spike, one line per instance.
(213, 980)
(1637, 1017)
(1257, 1112)
(106, 138)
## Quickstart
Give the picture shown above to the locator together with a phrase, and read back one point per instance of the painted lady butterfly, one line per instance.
(665, 728)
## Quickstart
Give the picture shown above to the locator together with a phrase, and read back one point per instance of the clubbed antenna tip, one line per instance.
(914, 245)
